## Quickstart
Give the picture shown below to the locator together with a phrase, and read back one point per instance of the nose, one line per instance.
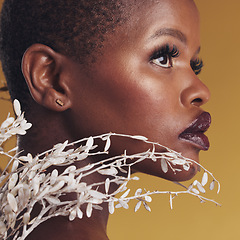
(195, 94)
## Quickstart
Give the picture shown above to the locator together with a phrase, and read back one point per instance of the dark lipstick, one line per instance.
(195, 132)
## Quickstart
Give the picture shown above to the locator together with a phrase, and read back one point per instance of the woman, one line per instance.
(93, 67)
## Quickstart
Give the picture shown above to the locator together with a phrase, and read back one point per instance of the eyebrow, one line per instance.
(170, 32)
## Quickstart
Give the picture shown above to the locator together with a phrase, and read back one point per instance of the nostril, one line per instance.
(197, 101)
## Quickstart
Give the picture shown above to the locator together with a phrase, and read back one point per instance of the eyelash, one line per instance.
(171, 53)
(197, 66)
(166, 54)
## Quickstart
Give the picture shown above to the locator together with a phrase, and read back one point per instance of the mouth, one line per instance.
(195, 132)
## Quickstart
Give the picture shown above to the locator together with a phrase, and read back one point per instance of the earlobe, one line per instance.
(42, 69)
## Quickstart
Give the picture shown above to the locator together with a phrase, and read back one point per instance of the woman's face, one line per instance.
(145, 83)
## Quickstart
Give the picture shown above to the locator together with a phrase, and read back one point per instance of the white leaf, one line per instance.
(200, 188)
(3, 228)
(118, 205)
(27, 158)
(171, 154)
(121, 188)
(138, 192)
(72, 215)
(218, 188)
(89, 210)
(171, 204)
(212, 185)
(178, 162)
(57, 187)
(19, 131)
(107, 185)
(12, 202)
(138, 205)
(81, 187)
(142, 138)
(125, 194)
(7, 122)
(186, 167)
(122, 170)
(26, 218)
(97, 207)
(123, 204)
(69, 169)
(60, 147)
(148, 198)
(110, 171)
(82, 156)
(146, 207)
(108, 143)
(12, 181)
(52, 200)
(135, 178)
(17, 107)
(194, 190)
(36, 167)
(89, 144)
(36, 184)
(195, 182)
(96, 194)
(111, 207)
(53, 177)
(79, 213)
(27, 126)
(86, 168)
(23, 195)
(95, 201)
(15, 165)
(204, 179)
(164, 165)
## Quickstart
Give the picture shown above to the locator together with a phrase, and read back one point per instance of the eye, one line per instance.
(197, 66)
(163, 57)
(164, 61)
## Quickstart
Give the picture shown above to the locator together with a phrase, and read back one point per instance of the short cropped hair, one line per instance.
(75, 28)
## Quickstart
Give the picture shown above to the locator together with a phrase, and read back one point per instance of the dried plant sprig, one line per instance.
(30, 181)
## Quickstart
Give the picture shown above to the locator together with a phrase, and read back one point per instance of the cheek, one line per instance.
(124, 101)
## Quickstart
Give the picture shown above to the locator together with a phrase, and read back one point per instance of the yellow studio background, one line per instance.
(189, 219)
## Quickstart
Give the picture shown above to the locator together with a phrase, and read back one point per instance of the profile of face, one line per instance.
(145, 82)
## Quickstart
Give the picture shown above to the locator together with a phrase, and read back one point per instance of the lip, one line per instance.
(195, 132)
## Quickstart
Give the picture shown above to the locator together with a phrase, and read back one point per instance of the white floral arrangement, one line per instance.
(28, 182)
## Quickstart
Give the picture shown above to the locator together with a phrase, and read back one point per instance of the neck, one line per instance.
(60, 228)
(44, 134)
(40, 138)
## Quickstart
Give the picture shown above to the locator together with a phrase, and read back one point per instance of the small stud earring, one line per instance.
(59, 102)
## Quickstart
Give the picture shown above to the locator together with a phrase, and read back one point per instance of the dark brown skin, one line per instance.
(122, 92)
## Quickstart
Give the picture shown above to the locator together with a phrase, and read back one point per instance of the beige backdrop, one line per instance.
(189, 219)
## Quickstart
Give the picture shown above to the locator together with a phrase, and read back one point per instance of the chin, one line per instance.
(154, 168)
(183, 175)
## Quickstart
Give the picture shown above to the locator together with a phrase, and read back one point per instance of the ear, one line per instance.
(42, 68)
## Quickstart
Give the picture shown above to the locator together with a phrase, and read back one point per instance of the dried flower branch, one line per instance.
(29, 182)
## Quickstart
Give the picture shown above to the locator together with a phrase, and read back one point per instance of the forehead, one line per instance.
(146, 18)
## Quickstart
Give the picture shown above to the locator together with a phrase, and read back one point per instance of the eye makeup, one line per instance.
(164, 55)
(197, 66)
